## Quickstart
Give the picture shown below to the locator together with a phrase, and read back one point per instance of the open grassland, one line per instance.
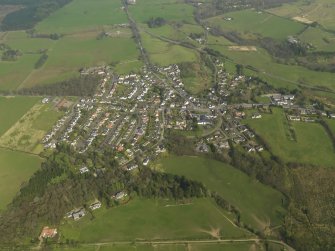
(278, 75)
(82, 15)
(250, 22)
(74, 52)
(15, 168)
(312, 144)
(27, 133)
(170, 10)
(12, 74)
(321, 11)
(164, 53)
(321, 40)
(153, 219)
(12, 109)
(260, 205)
(171, 247)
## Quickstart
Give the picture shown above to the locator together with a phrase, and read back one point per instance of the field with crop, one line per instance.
(153, 219)
(311, 145)
(16, 168)
(321, 11)
(27, 133)
(251, 22)
(260, 206)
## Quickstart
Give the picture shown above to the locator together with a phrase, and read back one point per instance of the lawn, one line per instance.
(12, 109)
(82, 15)
(16, 168)
(312, 145)
(27, 133)
(170, 10)
(260, 205)
(152, 219)
(258, 23)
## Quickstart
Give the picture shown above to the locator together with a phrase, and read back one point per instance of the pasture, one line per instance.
(321, 11)
(164, 53)
(27, 133)
(12, 109)
(312, 144)
(171, 247)
(16, 168)
(260, 205)
(83, 15)
(170, 10)
(251, 22)
(153, 219)
(74, 52)
(321, 40)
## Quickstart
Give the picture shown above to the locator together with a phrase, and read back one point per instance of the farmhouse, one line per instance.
(48, 232)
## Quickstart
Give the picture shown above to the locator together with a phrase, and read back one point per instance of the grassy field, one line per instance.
(73, 52)
(27, 133)
(312, 145)
(172, 247)
(249, 22)
(16, 168)
(321, 40)
(12, 109)
(170, 10)
(82, 15)
(163, 53)
(321, 11)
(278, 75)
(260, 205)
(153, 219)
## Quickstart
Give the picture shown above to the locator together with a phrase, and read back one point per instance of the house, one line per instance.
(256, 116)
(146, 161)
(120, 195)
(95, 205)
(48, 232)
(78, 214)
(84, 170)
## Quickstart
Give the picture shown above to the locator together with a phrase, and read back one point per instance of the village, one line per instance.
(130, 114)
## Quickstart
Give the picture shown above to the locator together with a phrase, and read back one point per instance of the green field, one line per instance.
(82, 15)
(260, 205)
(27, 133)
(153, 219)
(251, 22)
(312, 145)
(164, 53)
(16, 168)
(12, 109)
(74, 52)
(170, 10)
(321, 11)
(321, 40)
(171, 247)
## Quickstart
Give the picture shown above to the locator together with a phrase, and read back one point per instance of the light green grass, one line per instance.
(264, 24)
(170, 10)
(12, 109)
(322, 40)
(312, 145)
(163, 53)
(171, 247)
(74, 52)
(15, 169)
(82, 15)
(259, 205)
(151, 219)
(321, 11)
